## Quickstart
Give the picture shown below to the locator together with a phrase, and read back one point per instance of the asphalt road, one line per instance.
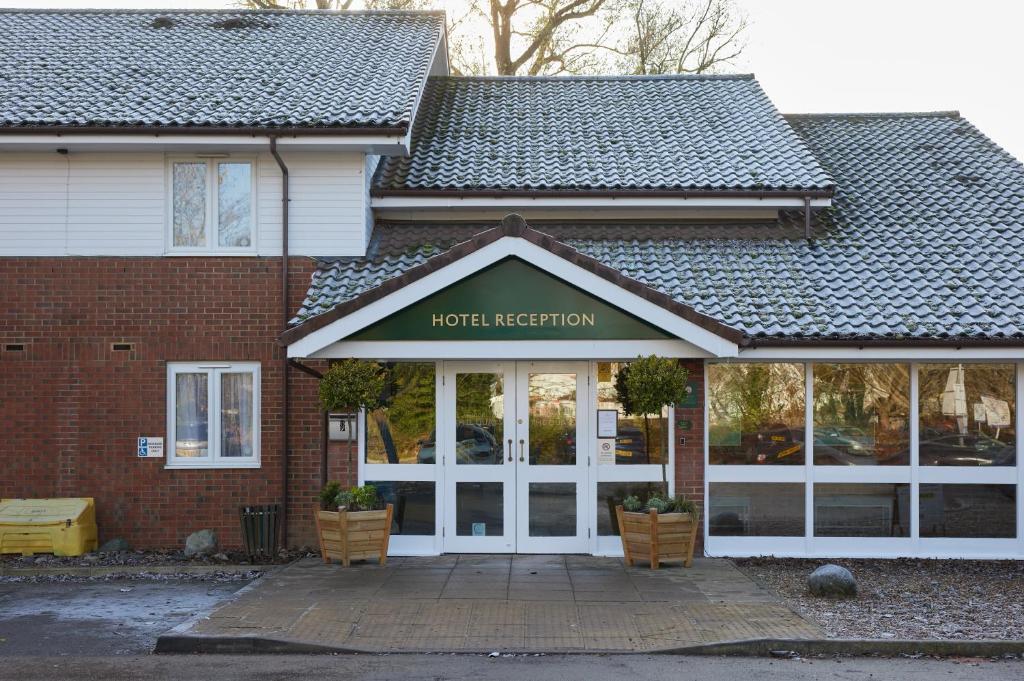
(482, 668)
(119, 617)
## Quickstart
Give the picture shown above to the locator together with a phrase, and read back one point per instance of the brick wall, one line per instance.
(72, 407)
(690, 456)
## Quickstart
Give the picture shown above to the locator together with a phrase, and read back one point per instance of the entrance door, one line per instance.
(515, 457)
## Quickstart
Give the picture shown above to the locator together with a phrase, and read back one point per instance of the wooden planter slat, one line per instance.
(656, 536)
(354, 535)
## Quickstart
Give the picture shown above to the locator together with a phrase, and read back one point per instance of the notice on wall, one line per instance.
(151, 448)
(607, 423)
(997, 411)
(606, 451)
(479, 529)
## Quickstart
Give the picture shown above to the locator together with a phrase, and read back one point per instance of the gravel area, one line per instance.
(906, 598)
(136, 559)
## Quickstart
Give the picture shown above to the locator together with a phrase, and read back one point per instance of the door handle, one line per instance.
(521, 450)
(510, 449)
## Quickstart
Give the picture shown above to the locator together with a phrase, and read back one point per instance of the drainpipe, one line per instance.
(807, 218)
(284, 325)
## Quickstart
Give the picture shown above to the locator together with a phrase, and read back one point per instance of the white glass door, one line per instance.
(552, 457)
(479, 463)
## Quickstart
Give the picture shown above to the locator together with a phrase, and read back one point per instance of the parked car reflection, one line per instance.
(971, 449)
(473, 445)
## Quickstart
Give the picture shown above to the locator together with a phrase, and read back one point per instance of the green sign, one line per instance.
(511, 300)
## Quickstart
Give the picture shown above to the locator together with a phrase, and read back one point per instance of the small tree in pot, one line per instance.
(358, 530)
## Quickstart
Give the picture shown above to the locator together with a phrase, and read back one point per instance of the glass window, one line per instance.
(755, 509)
(640, 439)
(402, 431)
(479, 419)
(191, 415)
(611, 494)
(861, 414)
(479, 509)
(212, 205)
(414, 506)
(189, 204)
(970, 511)
(552, 510)
(214, 415)
(756, 413)
(234, 205)
(552, 415)
(236, 414)
(966, 415)
(861, 510)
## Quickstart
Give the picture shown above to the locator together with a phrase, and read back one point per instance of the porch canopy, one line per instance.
(510, 292)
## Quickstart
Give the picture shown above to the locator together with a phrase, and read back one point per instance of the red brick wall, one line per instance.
(690, 456)
(72, 407)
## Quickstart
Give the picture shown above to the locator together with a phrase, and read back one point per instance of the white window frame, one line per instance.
(213, 370)
(811, 546)
(212, 237)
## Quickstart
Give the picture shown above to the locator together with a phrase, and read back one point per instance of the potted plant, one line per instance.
(644, 387)
(662, 529)
(358, 530)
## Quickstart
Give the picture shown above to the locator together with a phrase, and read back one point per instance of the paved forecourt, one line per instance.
(483, 603)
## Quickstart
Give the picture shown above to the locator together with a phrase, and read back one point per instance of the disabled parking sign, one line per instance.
(151, 447)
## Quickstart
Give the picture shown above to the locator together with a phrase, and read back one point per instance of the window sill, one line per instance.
(207, 253)
(218, 465)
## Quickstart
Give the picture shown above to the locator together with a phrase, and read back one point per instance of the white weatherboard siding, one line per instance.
(327, 212)
(115, 204)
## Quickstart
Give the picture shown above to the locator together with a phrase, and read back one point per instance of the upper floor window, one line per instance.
(211, 205)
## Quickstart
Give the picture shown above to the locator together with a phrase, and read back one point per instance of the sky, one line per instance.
(854, 55)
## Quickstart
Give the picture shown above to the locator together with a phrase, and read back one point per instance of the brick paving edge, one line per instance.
(175, 642)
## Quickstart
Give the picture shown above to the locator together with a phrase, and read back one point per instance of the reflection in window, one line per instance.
(968, 511)
(633, 431)
(479, 509)
(552, 419)
(861, 510)
(552, 509)
(611, 494)
(755, 509)
(756, 413)
(861, 414)
(402, 431)
(413, 504)
(479, 419)
(967, 415)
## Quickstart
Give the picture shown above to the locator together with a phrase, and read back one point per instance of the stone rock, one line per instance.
(201, 543)
(222, 557)
(115, 545)
(91, 558)
(832, 581)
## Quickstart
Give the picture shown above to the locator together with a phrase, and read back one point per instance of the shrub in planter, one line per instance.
(660, 530)
(358, 530)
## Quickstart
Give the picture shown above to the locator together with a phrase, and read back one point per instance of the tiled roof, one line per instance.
(925, 242)
(222, 69)
(663, 133)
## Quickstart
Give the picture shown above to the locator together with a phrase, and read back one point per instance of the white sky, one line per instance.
(855, 55)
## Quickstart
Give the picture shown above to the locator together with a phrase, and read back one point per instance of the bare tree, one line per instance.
(549, 37)
(668, 37)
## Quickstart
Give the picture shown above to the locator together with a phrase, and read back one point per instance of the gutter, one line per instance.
(957, 343)
(394, 130)
(608, 193)
(284, 322)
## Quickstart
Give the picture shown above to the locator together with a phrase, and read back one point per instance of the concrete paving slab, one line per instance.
(477, 603)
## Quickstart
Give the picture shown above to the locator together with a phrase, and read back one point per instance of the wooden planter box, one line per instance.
(658, 537)
(354, 535)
